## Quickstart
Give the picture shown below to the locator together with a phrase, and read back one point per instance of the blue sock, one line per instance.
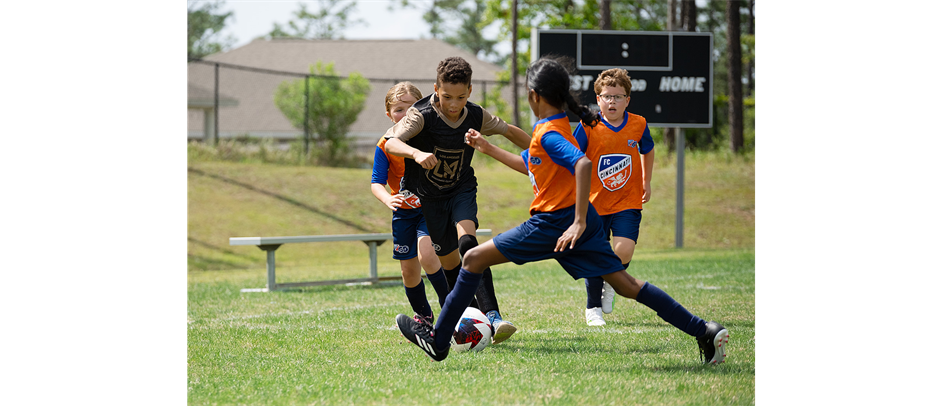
(417, 299)
(593, 292)
(458, 300)
(671, 311)
(440, 283)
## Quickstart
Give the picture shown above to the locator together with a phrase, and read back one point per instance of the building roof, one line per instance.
(201, 98)
(387, 61)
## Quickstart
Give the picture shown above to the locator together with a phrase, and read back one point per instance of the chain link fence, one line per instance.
(227, 101)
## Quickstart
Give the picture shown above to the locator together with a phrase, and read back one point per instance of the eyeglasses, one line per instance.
(613, 97)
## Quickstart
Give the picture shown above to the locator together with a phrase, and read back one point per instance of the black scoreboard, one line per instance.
(671, 71)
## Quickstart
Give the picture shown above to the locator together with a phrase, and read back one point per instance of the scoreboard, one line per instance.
(671, 71)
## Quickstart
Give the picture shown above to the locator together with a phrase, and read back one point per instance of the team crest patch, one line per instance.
(535, 160)
(410, 199)
(437, 247)
(402, 249)
(446, 173)
(614, 170)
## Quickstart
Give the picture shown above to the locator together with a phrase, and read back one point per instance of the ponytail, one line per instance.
(550, 78)
(585, 114)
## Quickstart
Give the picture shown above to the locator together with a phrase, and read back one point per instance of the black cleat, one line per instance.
(712, 349)
(428, 321)
(421, 335)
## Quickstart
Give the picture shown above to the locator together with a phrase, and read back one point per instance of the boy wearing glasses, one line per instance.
(622, 155)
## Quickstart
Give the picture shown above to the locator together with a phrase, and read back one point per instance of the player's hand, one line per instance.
(475, 140)
(570, 236)
(647, 194)
(394, 201)
(425, 159)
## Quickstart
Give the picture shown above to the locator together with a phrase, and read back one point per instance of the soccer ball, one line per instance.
(473, 332)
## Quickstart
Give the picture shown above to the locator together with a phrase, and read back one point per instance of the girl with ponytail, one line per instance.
(563, 225)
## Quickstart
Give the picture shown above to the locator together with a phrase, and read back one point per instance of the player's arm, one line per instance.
(477, 141)
(380, 177)
(494, 125)
(647, 169)
(405, 129)
(396, 147)
(583, 168)
(381, 194)
(517, 136)
(567, 155)
(647, 162)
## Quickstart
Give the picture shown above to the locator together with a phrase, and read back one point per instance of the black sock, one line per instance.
(440, 283)
(593, 292)
(417, 299)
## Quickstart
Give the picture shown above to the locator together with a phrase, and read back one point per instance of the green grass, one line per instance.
(245, 200)
(338, 344)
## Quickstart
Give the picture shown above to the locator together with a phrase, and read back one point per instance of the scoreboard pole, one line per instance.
(679, 216)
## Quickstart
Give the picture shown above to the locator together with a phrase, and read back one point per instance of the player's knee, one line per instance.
(466, 242)
(410, 268)
(473, 261)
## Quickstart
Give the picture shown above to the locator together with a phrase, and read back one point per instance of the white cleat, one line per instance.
(593, 317)
(608, 297)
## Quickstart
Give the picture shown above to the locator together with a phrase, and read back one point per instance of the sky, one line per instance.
(253, 18)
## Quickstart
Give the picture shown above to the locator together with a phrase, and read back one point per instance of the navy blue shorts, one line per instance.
(442, 215)
(622, 224)
(407, 226)
(535, 240)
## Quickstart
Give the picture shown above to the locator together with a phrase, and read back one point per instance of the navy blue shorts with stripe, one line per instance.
(625, 223)
(535, 240)
(407, 226)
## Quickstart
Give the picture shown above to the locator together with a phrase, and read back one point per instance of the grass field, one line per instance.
(338, 344)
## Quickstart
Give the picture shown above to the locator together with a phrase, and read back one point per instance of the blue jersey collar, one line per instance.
(550, 118)
(624, 121)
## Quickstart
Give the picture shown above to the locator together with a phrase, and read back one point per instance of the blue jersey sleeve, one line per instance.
(561, 151)
(380, 167)
(647, 143)
(581, 137)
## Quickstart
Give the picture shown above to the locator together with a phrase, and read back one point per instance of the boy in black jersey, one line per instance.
(432, 136)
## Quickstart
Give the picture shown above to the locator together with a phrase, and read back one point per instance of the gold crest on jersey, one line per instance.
(446, 173)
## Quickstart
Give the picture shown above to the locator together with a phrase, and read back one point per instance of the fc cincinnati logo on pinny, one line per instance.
(614, 170)
(410, 199)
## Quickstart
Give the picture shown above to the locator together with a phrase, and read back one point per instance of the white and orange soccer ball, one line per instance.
(473, 332)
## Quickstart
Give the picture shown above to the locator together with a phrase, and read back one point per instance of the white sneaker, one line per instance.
(593, 317)
(608, 297)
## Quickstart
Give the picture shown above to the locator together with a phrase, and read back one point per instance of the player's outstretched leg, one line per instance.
(711, 337)
(486, 296)
(421, 335)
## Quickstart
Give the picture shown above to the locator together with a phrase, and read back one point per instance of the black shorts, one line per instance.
(442, 215)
